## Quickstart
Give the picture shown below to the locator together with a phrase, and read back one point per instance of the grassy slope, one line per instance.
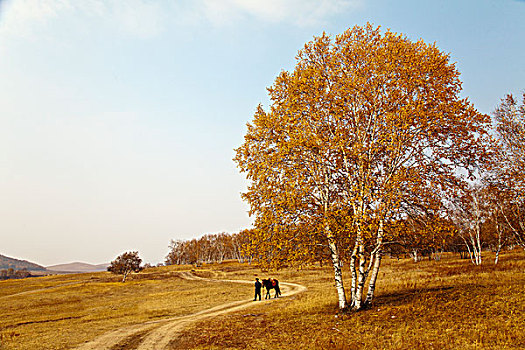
(59, 312)
(429, 305)
(446, 305)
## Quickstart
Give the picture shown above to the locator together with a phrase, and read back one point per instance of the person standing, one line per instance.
(258, 287)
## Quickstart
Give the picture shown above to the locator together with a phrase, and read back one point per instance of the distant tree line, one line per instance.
(11, 273)
(210, 248)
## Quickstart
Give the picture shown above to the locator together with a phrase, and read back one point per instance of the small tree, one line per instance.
(126, 263)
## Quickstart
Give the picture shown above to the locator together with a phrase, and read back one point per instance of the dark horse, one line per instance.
(271, 283)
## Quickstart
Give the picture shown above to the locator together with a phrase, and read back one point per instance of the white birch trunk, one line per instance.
(359, 272)
(336, 261)
(518, 236)
(338, 276)
(473, 245)
(500, 244)
(414, 255)
(478, 242)
(357, 303)
(373, 279)
(353, 272)
(376, 255)
(476, 238)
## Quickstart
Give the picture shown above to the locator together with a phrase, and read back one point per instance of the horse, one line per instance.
(271, 283)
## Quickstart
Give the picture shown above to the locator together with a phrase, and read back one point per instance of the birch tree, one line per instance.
(508, 176)
(126, 263)
(365, 123)
(499, 233)
(471, 212)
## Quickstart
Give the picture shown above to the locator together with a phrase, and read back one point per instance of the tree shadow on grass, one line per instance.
(415, 295)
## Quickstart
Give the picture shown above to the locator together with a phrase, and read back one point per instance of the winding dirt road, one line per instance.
(156, 335)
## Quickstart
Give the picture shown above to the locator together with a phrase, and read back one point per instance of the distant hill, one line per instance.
(16, 264)
(78, 267)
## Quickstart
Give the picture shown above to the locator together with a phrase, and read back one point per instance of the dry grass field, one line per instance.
(60, 312)
(449, 304)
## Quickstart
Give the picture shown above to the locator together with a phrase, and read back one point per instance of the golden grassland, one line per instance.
(59, 312)
(450, 304)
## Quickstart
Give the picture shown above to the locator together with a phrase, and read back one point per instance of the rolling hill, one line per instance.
(78, 267)
(16, 264)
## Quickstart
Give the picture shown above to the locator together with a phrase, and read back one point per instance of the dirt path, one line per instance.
(156, 335)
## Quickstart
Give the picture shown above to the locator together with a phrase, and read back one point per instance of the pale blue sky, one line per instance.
(118, 119)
